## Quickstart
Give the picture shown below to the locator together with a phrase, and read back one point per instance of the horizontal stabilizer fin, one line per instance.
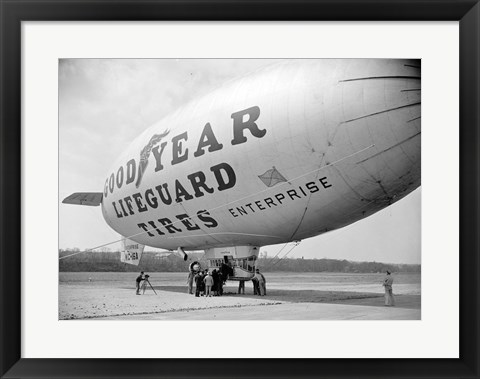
(84, 198)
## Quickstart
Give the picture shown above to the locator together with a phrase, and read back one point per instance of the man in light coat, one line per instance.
(261, 282)
(387, 283)
(208, 284)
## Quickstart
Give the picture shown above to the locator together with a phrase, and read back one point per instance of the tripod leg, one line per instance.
(151, 286)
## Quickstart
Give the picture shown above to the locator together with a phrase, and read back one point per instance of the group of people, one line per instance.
(211, 284)
(206, 284)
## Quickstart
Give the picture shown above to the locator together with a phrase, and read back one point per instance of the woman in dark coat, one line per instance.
(220, 284)
(198, 283)
(215, 282)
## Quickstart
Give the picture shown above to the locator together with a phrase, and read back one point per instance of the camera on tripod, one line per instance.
(145, 281)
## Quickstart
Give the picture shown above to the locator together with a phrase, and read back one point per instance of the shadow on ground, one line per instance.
(295, 296)
(316, 296)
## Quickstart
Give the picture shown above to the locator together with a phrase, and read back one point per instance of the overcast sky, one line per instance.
(105, 103)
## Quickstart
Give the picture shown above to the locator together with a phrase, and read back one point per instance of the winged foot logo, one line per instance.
(145, 153)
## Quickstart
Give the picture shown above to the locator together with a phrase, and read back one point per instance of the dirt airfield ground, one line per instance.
(290, 296)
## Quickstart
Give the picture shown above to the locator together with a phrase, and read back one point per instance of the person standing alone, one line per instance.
(387, 283)
(138, 280)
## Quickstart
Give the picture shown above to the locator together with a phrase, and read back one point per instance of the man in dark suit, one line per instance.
(138, 280)
(198, 283)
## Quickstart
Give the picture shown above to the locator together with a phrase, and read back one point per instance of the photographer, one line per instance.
(138, 280)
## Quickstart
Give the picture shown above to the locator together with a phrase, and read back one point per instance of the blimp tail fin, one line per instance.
(84, 198)
(132, 252)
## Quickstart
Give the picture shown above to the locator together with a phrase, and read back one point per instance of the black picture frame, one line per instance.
(467, 12)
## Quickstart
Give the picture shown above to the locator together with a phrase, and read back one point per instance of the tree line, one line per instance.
(158, 262)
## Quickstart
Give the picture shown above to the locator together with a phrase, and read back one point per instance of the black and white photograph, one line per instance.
(239, 189)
